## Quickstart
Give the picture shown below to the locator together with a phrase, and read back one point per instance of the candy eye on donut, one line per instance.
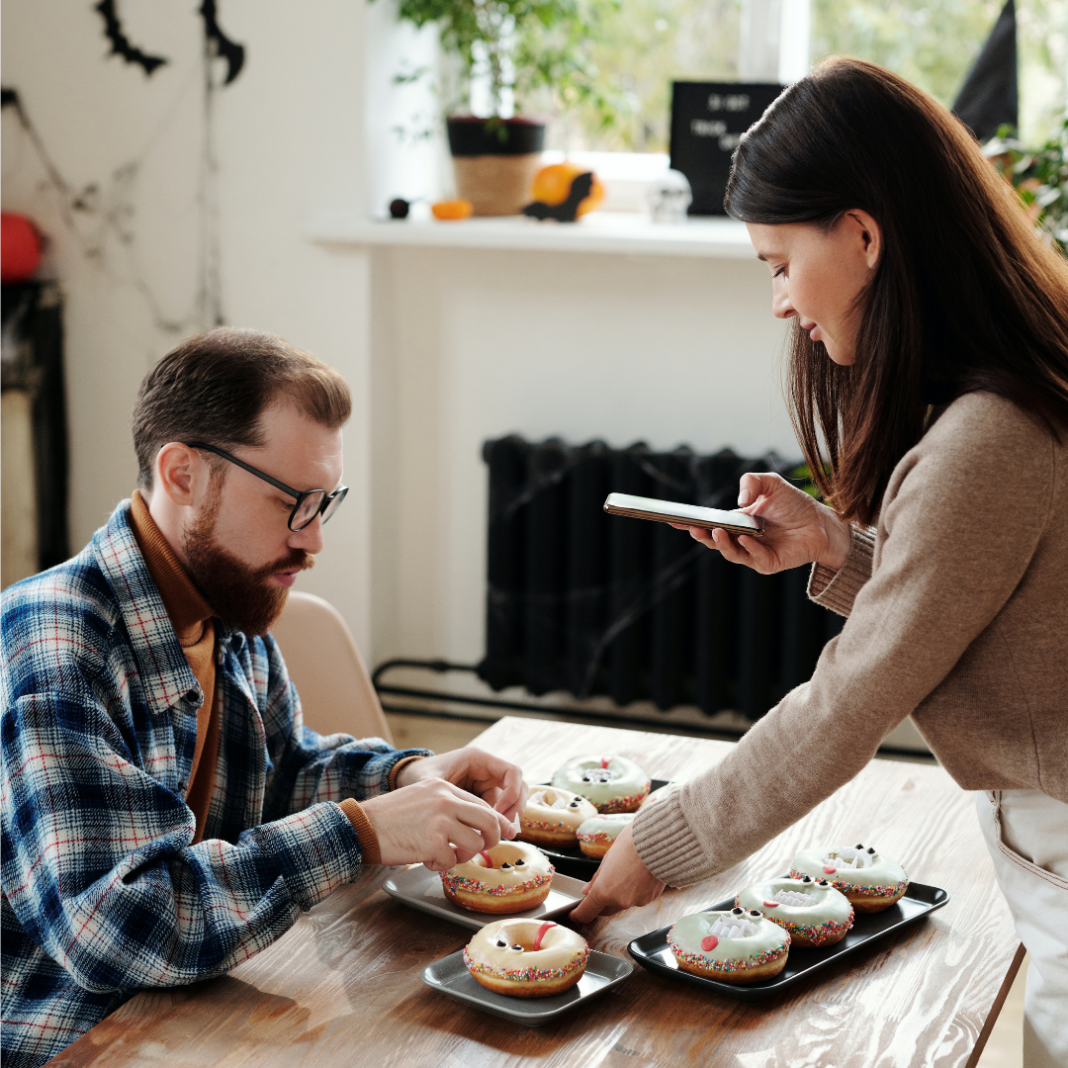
(517, 948)
(501, 943)
(520, 863)
(754, 912)
(806, 878)
(823, 882)
(506, 866)
(871, 849)
(574, 804)
(859, 845)
(737, 911)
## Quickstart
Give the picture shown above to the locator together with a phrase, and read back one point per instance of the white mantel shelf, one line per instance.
(614, 232)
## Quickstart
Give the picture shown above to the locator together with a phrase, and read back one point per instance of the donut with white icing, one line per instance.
(812, 910)
(596, 835)
(612, 783)
(659, 793)
(510, 877)
(526, 958)
(737, 946)
(552, 817)
(869, 880)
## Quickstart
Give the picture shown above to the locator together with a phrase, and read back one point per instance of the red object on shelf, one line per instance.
(20, 247)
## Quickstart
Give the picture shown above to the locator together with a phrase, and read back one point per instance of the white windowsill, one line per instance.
(617, 232)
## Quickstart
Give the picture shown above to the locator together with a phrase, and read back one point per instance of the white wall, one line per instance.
(290, 136)
(471, 345)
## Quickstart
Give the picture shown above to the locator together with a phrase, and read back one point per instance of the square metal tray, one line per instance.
(574, 861)
(451, 977)
(652, 951)
(421, 888)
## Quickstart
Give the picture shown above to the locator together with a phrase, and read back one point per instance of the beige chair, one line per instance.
(326, 667)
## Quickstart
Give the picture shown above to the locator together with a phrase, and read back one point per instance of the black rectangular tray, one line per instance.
(574, 862)
(652, 951)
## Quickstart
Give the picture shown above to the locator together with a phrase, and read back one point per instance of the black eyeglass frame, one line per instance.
(300, 495)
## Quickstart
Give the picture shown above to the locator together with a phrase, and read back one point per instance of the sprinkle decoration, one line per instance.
(623, 804)
(542, 825)
(456, 883)
(868, 891)
(541, 934)
(528, 975)
(736, 964)
(601, 837)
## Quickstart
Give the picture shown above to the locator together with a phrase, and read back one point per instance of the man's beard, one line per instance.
(238, 594)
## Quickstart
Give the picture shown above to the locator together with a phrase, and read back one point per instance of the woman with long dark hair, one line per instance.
(929, 391)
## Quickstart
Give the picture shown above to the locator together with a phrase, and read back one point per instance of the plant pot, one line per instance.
(495, 161)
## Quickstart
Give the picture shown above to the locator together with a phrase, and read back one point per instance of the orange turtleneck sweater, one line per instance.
(191, 616)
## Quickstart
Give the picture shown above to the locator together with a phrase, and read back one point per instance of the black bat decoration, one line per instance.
(231, 51)
(120, 44)
(567, 210)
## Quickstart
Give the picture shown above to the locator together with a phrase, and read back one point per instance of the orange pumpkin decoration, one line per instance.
(452, 210)
(553, 183)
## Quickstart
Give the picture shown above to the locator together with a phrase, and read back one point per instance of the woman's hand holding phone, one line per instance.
(800, 530)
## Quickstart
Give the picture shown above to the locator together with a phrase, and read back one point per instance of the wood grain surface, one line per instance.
(343, 986)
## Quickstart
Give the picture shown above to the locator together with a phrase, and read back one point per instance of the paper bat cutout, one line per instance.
(567, 210)
(120, 44)
(224, 48)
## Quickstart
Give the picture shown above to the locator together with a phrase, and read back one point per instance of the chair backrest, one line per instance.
(327, 669)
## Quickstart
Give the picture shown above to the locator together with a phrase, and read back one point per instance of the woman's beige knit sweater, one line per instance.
(958, 616)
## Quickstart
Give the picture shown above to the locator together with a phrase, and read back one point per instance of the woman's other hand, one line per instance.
(800, 530)
(620, 882)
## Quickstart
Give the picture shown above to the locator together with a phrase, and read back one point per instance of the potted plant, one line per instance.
(522, 52)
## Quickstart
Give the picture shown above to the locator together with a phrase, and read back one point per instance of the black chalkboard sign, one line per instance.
(707, 119)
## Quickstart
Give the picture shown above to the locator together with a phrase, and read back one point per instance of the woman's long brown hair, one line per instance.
(966, 296)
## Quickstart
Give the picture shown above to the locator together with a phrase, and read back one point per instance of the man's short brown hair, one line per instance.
(215, 386)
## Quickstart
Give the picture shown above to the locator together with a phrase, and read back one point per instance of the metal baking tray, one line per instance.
(652, 951)
(420, 888)
(450, 976)
(574, 861)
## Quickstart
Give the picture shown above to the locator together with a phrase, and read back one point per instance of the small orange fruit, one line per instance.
(452, 210)
(553, 183)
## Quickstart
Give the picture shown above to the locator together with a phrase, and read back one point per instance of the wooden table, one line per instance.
(343, 988)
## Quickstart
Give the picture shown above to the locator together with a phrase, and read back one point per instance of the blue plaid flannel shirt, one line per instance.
(103, 892)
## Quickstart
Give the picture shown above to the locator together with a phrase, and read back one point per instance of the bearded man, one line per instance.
(166, 814)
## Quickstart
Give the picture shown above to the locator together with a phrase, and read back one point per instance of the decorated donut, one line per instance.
(738, 946)
(869, 880)
(812, 910)
(596, 835)
(510, 877)
(526, 958)
(659, 793)
(613, 784)
(552, 817)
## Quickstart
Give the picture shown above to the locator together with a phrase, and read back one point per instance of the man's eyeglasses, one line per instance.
(310, 503)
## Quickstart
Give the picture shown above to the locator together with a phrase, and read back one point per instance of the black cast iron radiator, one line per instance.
(603, 605)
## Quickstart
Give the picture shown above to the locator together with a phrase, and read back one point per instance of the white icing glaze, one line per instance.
(534, 864)
(737, 937)
(608, 823)
(602, 785)
(560, 946)
(660, 793)
(562, 808)
(797, 902)
(852, 865)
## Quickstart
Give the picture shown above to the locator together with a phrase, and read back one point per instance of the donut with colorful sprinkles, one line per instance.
(552, 817)
(737, 946)
(511, 877)
(869, 880)
(598, 834)
(526, 958)
(612, 783)
(812, 910)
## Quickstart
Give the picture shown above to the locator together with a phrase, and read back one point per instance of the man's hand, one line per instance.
(497, 782)
(434, 822)
(621, 881)
(800, 531)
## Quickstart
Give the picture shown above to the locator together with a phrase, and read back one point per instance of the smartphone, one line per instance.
(690, 515)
